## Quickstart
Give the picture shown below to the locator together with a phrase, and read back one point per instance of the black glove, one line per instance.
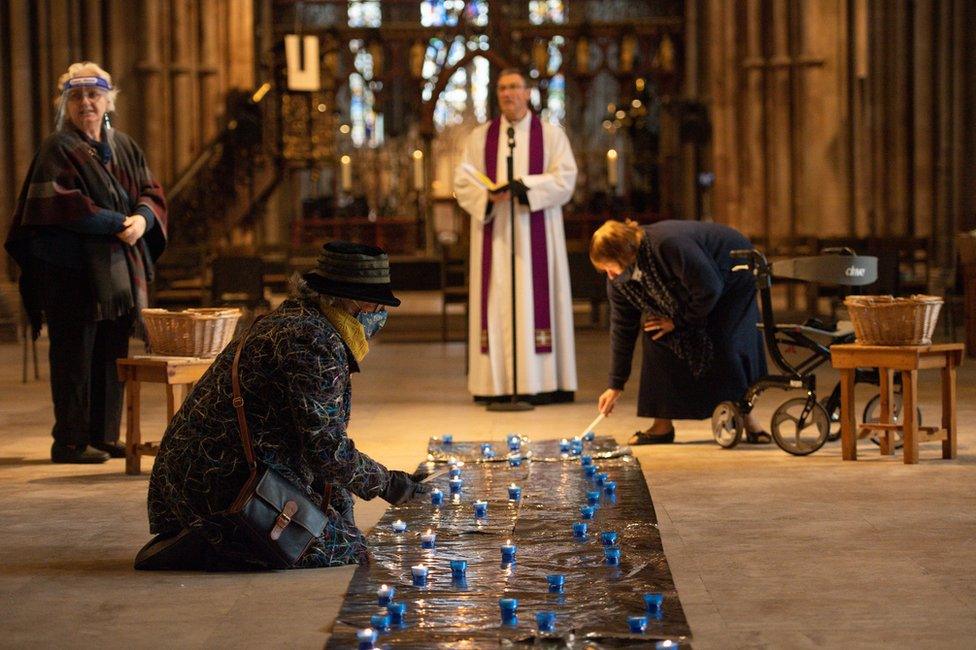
(520, 191)
(402, 488)
(420, 474)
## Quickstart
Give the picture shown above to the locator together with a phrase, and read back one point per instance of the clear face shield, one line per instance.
(77, 88)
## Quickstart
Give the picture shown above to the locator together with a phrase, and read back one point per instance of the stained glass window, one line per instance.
(547, 11)
(467, 89)
(365, 13)
(367, 125)
(436, 13)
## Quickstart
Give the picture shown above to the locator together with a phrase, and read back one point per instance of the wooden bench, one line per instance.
(175, 373)
(908, 360)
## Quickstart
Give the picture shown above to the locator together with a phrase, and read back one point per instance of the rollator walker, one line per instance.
(800, 425)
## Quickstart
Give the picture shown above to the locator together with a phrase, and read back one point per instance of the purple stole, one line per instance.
(537, 229)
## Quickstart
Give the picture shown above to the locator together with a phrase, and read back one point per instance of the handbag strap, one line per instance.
(238, 402)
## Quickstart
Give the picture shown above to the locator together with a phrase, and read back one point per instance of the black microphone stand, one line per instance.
(514, 404)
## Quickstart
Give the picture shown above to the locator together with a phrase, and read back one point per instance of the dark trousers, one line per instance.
(85, 387)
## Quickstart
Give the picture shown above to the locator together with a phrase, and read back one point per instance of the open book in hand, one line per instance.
(482, 180)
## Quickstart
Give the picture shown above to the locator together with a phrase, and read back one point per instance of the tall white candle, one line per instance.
(346, 173)
(418, 170)
(612, 167)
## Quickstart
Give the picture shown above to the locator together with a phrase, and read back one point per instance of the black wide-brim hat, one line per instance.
(353, 271)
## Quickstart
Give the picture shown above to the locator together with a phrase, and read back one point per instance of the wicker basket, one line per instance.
(885, 320)
(190, 333)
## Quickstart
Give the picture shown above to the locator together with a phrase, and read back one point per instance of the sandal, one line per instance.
(643, 438)
(758, 437)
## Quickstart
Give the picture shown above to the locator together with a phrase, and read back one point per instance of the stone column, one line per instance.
(152, 90)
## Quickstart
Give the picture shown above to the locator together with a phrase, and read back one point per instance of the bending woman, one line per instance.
(673, 280)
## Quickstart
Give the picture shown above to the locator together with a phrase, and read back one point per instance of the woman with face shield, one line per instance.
(89, 224)
(295, 371)
(672, 281)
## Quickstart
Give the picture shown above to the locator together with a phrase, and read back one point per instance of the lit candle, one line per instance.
(380, 621)
(556, 583)
(579, 529)
(366, 638)
(608, 537)
(610, 487)
(508, 551)
(653, 602)
(447, 439)
(397, 611)
(346, 173)
(384, 595)
(454, 472)
(587, 512)
(419, 573)
(564, 445)
(637, 624)
(436, 497)
(612, 167)
(515, 460)
(514, 442)
(546, 621)
(399, 526)
(480, 509)
(428, 539)
(586, 460)
(455, 484)
(487, 451)
(589, 436)
(514, 492)
(508, 607)
(612, 555)
(418, 170)
(593, 497)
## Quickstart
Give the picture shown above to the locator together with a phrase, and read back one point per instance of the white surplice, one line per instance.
(491, 374)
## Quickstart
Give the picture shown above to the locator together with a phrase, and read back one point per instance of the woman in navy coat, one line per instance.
(673, 281)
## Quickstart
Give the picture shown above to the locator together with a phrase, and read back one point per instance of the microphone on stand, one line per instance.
(514, 404)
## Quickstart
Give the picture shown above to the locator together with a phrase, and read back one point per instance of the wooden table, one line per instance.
(908, 360)
(175, 373)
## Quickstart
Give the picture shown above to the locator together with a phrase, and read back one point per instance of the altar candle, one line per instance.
(384, 595)
(346, 173)
(419, 573)
(508, 551)
(612, 167)
(436, 497)
(418, 170)
(428, 539)
(399, 526)
(514, 492)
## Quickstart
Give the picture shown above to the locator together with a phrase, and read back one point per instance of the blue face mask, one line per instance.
(372, 322)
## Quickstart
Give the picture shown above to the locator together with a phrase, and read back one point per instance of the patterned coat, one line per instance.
(295, 382)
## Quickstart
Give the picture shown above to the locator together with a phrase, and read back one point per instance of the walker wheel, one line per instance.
(727, 424)
(872, 413)
(800, 434)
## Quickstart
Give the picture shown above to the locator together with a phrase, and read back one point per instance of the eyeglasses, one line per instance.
(77, 94)
(503, 88)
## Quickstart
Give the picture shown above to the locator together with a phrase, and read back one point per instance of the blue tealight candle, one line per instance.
(653, 602)
(447, 439)
(419, 574)
(587, 512)
(546, 621)
(601, 478)
(593, 497)
(586, 460)
(428, 539)
(576, 446)
(514, 492)
(608, 538)
(579, 529)
(486, 448)
(556, 582)
(589, 436)
(489, 454)
(589, 471)
(610, 487)
(667, 644)
(384, 595)
(455, 484)
(508, 608)
(508, 551)
(637, 624)
(398, 526)
(514, 442)
(515, 460)
(397, 611)
(436, 497)
(454, 472)
(564, 445)
(612, 555)
(480, 509)
(459, 568)
(380, 621)
(366, 638)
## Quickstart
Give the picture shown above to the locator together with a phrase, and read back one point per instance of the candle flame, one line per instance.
(345, 160)
(418, 154)
(612, 154)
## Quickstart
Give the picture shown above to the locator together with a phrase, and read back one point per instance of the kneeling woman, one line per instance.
(701, 345)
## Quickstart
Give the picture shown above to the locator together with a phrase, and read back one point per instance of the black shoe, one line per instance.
(77, 455)
(113, 449)
(644, 438)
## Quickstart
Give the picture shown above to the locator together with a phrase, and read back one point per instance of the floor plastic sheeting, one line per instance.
(591, 613)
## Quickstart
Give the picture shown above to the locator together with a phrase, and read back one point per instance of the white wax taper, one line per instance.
(595, 422)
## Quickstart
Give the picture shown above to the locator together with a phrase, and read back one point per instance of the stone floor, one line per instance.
(767, 550)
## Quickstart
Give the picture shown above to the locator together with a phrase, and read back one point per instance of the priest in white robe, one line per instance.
(545, 175)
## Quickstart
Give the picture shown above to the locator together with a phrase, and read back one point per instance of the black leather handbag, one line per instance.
(279, 520)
